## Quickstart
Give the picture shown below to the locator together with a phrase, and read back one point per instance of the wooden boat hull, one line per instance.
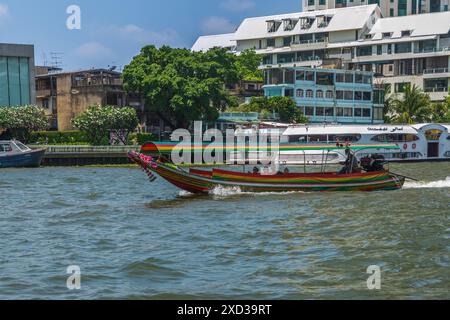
(203, 182)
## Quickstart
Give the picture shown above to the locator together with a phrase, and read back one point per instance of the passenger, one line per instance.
(286, 171)
(351, 163)
(255, 170)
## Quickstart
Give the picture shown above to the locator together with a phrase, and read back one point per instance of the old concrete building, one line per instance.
(16, 75)
(64, 95)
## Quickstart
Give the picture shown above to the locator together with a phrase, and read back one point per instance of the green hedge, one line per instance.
(79, 138)
(59, 137)
(141, 138)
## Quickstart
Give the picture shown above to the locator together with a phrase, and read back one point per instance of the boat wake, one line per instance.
(428, 185)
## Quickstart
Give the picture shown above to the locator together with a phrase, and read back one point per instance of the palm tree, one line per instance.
(411, 107)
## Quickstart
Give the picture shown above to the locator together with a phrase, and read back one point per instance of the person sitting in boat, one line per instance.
(286, 171)
(351, 164)
(373, 163)
(255, 170)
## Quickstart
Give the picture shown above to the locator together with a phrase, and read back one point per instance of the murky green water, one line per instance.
(133, 239)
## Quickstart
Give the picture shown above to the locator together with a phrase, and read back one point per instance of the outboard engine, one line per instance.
(373, 163)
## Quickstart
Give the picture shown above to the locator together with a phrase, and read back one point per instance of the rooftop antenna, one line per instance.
(57, 59)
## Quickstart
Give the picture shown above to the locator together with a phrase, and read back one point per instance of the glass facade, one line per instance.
(14, 81)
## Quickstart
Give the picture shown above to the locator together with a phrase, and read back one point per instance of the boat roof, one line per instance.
(349, 129)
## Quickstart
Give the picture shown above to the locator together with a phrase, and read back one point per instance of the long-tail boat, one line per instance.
(205, 181)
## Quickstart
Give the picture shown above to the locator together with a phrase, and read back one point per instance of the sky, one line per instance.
(113, 31)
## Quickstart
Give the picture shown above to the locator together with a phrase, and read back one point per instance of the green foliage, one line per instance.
(21, 121)
(247, 64)
(141, 138)
(440, 112)
(98, 121)
(59, 137)
(415, 106)
(284, 106)
(180, 85)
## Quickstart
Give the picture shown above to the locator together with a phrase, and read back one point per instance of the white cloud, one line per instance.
(214, 25)
(141, 36)
(4, 12)
(93, 50)
(238, 5)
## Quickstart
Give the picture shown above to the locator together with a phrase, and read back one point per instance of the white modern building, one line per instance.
(412, 49)
(389, 8)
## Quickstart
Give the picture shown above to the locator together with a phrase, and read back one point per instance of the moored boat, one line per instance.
(14, 154)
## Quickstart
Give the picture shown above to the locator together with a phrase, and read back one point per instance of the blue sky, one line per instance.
(113, 31)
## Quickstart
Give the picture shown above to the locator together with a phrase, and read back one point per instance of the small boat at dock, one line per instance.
(14, 154)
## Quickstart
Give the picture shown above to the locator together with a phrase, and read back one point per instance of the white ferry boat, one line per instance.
(421, 142)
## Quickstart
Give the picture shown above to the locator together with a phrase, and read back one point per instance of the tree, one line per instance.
(21, 121)
(412, 107)
(284, 106)
(440, 112)
(180, 85)
(98, 121)
(248, 63)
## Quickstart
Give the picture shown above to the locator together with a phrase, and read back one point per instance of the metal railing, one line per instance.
(435, 70)
(436, 89)
(87, 149)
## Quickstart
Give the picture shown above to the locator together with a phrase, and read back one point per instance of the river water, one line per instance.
(133, 239)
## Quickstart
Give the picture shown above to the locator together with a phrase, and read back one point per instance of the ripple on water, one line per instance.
(154, 268)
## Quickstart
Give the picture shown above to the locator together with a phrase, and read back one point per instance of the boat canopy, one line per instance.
(168, 147)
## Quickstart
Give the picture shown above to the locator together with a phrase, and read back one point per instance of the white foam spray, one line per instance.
(428, 185)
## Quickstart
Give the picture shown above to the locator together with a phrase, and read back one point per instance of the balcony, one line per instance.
(432, 49)
(436, 73)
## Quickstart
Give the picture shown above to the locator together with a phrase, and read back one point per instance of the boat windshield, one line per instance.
(5, 147)
(21, 146)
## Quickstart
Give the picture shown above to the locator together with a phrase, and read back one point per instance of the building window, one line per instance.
(378, 113)
(319, 94)
(379, 50)
(310, 2)
(300, 93)
(287, 41)
(309, 94)
(14, 81)
(366, 113)
(357, 112)
(367, 96)
(271, 42)
(329, 94)
(288, 92)
(309, 76)
(391, 12)
(389, 49)
(348, 95)
(309, 111)
(358, 95)
(364, 51)
(300, 75)
(403, 47)
(320, 111)
(406, 33)
(322, 2)
(329, 112)
(339, 95)
(402, 7)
